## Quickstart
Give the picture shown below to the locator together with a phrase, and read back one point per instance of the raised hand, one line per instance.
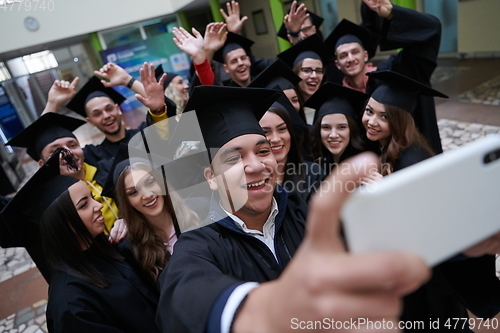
(296, 17)
(232, 18)
(115, 75)
(215, 37)
(323, 281)
(60, 92)
(154, 91)
(383, 8)
(191, 44)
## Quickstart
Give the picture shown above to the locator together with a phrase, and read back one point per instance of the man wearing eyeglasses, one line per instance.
(299, 24)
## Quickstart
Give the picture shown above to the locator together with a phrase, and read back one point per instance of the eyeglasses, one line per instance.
(306, 28)
(309, 70)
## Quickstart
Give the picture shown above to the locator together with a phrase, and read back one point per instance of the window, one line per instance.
(40, 61)
(4, 73)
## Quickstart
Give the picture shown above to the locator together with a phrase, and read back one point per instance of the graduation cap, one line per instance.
(333, 98)
(92, 89)
(40, 191)
(125, 156)
(399, 90)
(316, 20)
(298, 124)
(277, 75)
(233, 42)
(46, 129)
(348, 32)
(311, 47)
(225, 113)
(170, 76)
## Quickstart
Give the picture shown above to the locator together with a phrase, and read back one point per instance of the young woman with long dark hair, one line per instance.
(279, 76)
(92, 289)
(336, 130)
(152, 215)
(389, 119)
(295, 174)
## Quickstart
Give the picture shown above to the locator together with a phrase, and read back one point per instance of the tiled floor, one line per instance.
(471, 112)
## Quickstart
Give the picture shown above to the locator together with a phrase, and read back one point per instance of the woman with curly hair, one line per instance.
(175, 89)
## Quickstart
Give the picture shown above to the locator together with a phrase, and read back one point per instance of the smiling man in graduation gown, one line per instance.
(217, 278)
(52, 131)
(99, 105)
(238, 60)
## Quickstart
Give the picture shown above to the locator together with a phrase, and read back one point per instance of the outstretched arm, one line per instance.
(214, 39)
(383, 8)
(193, 44)
(60, 92)
(294, 20)
(322, 278)
(117, 76)
(232, 18)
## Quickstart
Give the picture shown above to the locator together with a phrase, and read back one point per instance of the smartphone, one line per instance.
(435, 208)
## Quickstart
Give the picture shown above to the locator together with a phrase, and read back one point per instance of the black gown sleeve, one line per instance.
(475, 280)
(83, 322)
(419, 36)
(258, 65)
(93, 154)
(314, 176)
(126, 305)
(410, 156)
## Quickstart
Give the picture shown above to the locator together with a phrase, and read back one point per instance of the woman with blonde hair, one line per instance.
(175, 89)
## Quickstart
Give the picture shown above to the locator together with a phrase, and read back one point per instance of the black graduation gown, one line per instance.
(127, 305)
(456, 285)
(26, 234)
(313, 175)
(106, 151)
(419, 36)
(411, 155)
(208, 263)
(327, 164)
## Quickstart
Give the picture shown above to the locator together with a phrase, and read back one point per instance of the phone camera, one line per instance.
(491, 157)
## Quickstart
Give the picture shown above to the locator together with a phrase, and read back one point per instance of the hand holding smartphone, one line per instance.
(435, 209)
